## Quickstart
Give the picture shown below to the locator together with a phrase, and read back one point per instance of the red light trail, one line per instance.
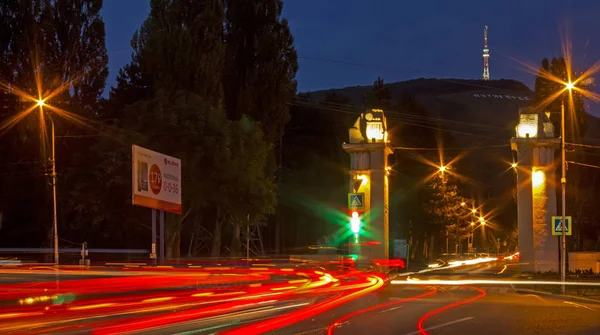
(444, 308)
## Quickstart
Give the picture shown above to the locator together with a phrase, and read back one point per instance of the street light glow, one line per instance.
(514, 165)
(537, 178)
(473, 211)
(442, 168)
(41, 103)
(463, 203)
(481, 219)
(569, 86)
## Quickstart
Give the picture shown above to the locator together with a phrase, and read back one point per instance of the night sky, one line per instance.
(351, 42)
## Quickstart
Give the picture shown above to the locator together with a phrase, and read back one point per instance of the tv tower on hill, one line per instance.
(486, 55)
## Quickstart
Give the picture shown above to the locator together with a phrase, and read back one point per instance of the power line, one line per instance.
(397, 113)
(584, 145)
(445, 149)
(583, 164)
(401, 117)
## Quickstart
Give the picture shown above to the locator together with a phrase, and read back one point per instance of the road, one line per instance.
(296, 300)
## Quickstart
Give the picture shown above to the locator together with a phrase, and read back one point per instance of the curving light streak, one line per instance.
(490, 282)
(375, 283)
(339, 321)
(439, 310)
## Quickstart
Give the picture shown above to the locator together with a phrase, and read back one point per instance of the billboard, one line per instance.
(156, 180)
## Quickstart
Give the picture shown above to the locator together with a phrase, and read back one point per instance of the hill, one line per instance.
(486, 105)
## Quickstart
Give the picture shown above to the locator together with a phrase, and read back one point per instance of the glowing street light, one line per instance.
(473, 211)
(463, 204)
(481, 219)
(513, 165)
(569, 86)
(442, 169)
(41, 103)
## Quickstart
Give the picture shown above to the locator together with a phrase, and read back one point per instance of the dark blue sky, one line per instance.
(400, 40)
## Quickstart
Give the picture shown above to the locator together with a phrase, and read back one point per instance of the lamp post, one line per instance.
(563, 183)
(41, 104)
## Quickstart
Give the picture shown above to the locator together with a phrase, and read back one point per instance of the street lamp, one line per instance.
(563, 183)
(41, 103)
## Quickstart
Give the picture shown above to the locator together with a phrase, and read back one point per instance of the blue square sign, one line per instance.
(557, 225)
(356, 200)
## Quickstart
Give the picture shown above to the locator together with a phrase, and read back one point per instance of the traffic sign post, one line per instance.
(557, 226)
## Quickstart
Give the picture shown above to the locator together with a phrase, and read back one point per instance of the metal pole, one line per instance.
(446, 241)
(248, 239)
(153, 251)
(563, 183)
(55, 217)
(162, 236)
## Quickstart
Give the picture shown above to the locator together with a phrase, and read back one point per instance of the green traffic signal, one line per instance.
(355, 223)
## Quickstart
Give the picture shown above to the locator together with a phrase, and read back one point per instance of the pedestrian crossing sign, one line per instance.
(356, 200)
(557, 225)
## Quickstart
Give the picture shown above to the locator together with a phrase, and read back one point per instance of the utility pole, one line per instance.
(55, 218)
(248, 239)
(563, 184)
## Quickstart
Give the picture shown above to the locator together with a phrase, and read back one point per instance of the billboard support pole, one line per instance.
(153, 251)
(162, 236)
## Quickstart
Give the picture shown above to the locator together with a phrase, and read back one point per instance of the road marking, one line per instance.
(442, 325)
(578, 305)
(538, 297)
(389, 310)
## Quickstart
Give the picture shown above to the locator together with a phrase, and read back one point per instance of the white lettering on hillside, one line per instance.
(502, 96)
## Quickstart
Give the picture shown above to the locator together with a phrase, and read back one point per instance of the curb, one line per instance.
(558, 296)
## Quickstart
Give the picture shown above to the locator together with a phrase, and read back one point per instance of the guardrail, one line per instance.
(75, 250)
(83, 252)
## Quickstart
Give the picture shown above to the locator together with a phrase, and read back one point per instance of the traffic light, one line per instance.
(355, 223)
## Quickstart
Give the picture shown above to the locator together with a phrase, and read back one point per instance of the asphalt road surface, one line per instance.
(496, 313)
(403, 307)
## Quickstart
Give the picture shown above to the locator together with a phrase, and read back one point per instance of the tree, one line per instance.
(444, 205)
(261, 64)
(579, 179)
(260, 67)
(168, 96)
(60, 46)
(575, 119)
(380, 97)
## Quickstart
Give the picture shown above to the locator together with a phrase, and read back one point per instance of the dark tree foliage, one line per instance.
(62, 44)
(581, 180)
(172, 98)
(314, 184)
(260, 62)
(380, 97)
(575, 117)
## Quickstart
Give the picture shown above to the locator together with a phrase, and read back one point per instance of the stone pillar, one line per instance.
(525, 208)
(369, 149)
(536, 203)
(546, 245)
